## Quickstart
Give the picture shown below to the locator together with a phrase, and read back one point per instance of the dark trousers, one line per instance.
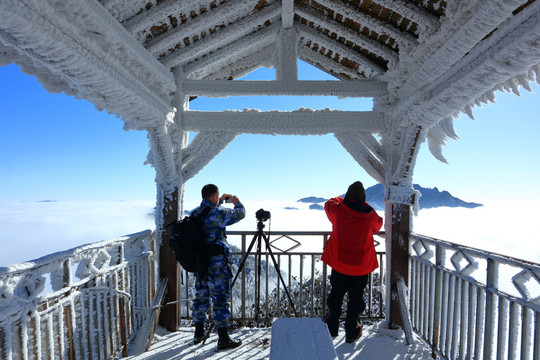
(341, 284)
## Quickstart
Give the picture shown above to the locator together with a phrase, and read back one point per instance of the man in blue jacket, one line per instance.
(216, 283)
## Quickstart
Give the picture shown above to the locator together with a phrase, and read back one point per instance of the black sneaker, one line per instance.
(356, 334)
(332, 328)
(199, 334)
(225, 342)
(228, 343)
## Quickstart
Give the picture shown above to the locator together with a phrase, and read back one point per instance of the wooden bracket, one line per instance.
(401, 290)
(143, 339)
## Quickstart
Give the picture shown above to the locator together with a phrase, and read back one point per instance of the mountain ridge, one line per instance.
(431, 198)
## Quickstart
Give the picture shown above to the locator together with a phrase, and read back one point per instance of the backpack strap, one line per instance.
(204, 213)
(212, 249)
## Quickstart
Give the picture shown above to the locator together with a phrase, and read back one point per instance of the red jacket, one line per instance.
(350, 249)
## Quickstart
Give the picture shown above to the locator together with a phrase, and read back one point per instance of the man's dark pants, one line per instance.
(342, 284)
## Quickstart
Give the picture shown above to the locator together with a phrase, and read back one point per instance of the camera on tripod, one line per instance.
(262, 215)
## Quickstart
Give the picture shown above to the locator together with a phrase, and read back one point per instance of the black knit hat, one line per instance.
(356, 192)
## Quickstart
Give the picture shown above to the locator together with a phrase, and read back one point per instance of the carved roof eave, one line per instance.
(143, 87)
(456, 85)
(96, 61)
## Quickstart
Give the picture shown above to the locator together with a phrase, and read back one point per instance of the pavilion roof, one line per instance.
(422, 61)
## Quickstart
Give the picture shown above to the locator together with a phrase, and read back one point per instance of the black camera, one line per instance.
(262, 215)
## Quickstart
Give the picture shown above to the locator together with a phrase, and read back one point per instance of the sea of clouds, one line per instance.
(29, 230)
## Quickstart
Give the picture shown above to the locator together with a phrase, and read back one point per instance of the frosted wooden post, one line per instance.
(400, 196)
(398, 267)
(168, 267)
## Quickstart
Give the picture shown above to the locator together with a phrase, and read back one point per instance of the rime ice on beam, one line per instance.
(286, 69)
(323, 62)
(234, 54)
(403, 39)
(345, 32)
(365, 65)
(227, 13)
(342, 89)
(223, 37)
(300, 122)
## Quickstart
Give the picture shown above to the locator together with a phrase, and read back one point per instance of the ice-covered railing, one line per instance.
(473, 304)
(83, 303)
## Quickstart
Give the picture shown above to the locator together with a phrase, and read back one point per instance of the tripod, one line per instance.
(258, 237)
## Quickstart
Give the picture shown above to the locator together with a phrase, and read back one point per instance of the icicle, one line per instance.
(491, 95)
(469, 112)
(485, 99)
(514, 86)
(435, 138)
(447, 126)
(536, 70)
(523, 81)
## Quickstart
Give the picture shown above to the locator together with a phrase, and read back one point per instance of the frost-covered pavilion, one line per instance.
(422, 61)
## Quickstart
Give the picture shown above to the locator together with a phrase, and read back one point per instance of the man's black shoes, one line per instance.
(333, 327)
(225, 342)
(354, 335)
(199, 333)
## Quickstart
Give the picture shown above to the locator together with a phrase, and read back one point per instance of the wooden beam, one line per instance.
(225, 88)
(345, 32)
(229, 12)
(323, 41)
(235, 52)
(347, 11)
(202, 149)
(287, 13)
(327, 64)
(286, 69)
(156, 14)
(243, 65)
(424, 19)
(318, 122)
(223, 37)
(359, 151)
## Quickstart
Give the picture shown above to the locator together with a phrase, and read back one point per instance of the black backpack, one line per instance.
(188, 243)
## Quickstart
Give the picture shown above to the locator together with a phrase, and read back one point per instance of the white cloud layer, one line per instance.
(30, 230)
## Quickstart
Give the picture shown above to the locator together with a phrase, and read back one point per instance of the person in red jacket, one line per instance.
(350, 252)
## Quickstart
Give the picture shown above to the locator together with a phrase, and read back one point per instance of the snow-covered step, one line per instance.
(301, 338)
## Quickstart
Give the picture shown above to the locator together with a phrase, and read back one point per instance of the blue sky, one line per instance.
(55, 147)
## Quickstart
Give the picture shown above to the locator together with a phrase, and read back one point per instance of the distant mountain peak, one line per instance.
(312, 200)
(431, 198)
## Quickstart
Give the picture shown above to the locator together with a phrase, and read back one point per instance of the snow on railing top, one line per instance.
(500, 273)
(26, 282)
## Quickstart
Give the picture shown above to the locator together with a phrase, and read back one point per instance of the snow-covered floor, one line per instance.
(377, 342)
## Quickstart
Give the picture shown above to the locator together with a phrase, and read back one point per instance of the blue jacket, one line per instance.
(217, 219)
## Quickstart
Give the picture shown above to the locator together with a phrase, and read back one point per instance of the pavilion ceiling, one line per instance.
(422, 61)
(362, 38)
(410, 44)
